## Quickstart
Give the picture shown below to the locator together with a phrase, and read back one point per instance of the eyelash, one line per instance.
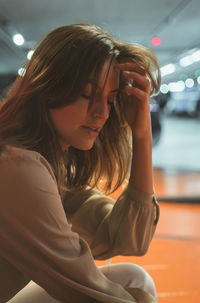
(85, 96)
(109, 102)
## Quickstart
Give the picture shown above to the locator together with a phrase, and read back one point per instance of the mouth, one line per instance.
(93, 129)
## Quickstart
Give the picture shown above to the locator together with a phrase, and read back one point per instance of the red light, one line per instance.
(156, 41)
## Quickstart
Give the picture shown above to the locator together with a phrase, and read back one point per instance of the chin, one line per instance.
(83, 146)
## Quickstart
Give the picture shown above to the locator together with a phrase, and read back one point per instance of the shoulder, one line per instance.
(22, 157)
(29, 167)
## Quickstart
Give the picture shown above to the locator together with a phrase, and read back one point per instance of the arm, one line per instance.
(138, 117)
(141, 175)
(124, 227)
(127, 226)
(36, 238)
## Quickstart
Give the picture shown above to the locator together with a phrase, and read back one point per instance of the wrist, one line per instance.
(145, 140)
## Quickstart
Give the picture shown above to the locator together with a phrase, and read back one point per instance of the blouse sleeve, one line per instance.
(124, 227)
(36, 238)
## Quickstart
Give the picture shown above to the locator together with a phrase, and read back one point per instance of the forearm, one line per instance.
(138, 117)
(141, 168)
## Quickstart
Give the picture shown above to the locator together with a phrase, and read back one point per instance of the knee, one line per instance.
(138, 277)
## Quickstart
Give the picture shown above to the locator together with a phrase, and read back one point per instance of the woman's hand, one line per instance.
(137, 106)
(138, 117)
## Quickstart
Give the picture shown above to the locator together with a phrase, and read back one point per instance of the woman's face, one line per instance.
(79, 124)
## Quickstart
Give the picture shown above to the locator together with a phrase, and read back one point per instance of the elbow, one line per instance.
(137, 251)
(141, 248)
(142, 251)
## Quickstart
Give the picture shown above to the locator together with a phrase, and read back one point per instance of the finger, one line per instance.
(138, 79)
(138, 93)
(131, 67)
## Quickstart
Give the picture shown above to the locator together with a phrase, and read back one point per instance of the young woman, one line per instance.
(65, 130)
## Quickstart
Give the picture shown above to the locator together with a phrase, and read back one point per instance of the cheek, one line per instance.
(66, 117)
(59, 118)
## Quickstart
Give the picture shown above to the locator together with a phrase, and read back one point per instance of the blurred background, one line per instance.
(170, 28)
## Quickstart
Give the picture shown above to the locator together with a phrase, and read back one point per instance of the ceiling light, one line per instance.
(167, 69)
(30, 54)
(156, 41)
(176, 86)
(18, 39)
(164, 88)
(21, 71)
(198, 80)
(189, 82)
(196, 56)
(185, 61)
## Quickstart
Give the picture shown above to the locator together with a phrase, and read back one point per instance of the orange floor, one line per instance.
(173, 183)
(173, 259)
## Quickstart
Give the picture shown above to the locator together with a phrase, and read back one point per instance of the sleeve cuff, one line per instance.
(157, 210)
(142, 197)
(138, 195)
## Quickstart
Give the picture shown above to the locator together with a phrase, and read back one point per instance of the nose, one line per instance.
(100, 108)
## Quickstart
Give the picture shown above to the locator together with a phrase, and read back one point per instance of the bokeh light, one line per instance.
(156, 41)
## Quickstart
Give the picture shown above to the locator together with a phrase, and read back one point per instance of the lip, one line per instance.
(96, 128)
(90, 131)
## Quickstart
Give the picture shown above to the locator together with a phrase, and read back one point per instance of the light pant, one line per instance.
(125, 274)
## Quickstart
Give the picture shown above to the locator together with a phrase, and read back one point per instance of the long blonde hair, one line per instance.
(56, 75)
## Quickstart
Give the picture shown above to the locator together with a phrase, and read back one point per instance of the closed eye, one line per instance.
(86, 96)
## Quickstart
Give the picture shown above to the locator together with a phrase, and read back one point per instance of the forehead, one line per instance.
(109, 76)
